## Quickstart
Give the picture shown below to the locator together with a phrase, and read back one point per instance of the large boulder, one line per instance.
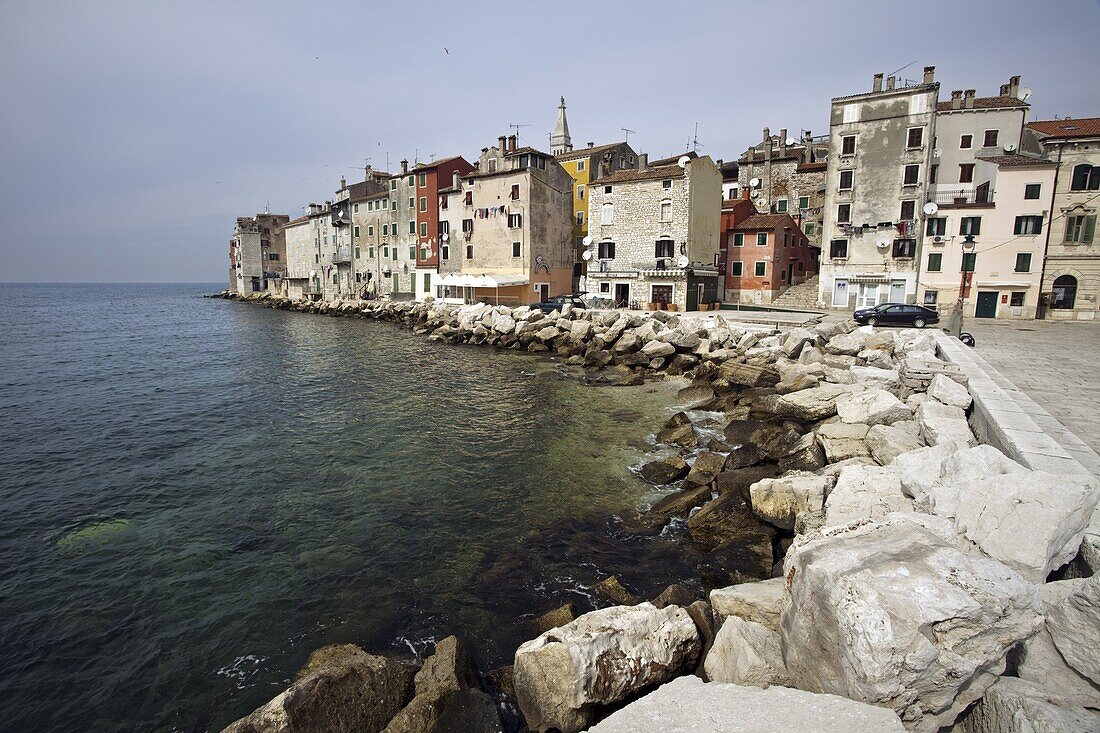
(678, 431)
(341, 689)
(949, 392)
(745, 653)
(665, 470)
(779, 501)
(689, 705)
(1017, 706)
(940, 423)
(875, 375)
(872, 407)
(865, 493)
(887, 442)
(747, 375)
(605, 656)
(810, 405)
(655, 349)
(1039, 659)
(806, 455)
(761, 602)
(843, 441)
(795, 340)
(704, 469)
(448, 669)
(847, 344)
(580, 331)
(896, 614)
(1074, 626)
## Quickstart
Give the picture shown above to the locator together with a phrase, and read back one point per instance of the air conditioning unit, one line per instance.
(938, 239)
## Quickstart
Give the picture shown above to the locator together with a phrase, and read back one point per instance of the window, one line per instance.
(969, 261)
(912, 172)
(970, 225)
(738, 239)
(1085, 178)
(607, 214)
(1023, 262)
(810, 227)
(580, 218)
(393, 184)
(803, 202)
(930, 297)
(1016, 300)
(915, 138)
(412, 202)
(422, 180)
(515, 192)
(850, 113)
(469, 198)
(517, 249)
(737, 268)
(918, 104)
(1031, 190)
(663, 248)
(580, 192)
(356, 232)
(760, 269)
(605, 287)
(665, 211)
(966, 142)
(908, 210)
(443, 202)
(412, 227)
(1080, 229)
(370, 230)
(606, 250)
(761, 239)
(966, 173)
(904, 249)
(607, 189)
(580, 165)
(1028, 225)
(934, 173)
(469, 251)
(370, 252)
(838, 249)
(386, 252)
(393, 205)
(393, 252)
(467, 226)
(444, 227)
(423, 203)
(412, 181)
(936, 227)
(423, 228)
(275, 256)
(846, 180)
(515, 221)
(781, 206)
(935, 262)
(666, 184)
(396, 282)
(990, 139)
(843, 213)
(445, 251)
(848, 145)
(412, 252)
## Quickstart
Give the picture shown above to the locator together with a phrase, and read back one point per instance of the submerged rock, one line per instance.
(665, 470)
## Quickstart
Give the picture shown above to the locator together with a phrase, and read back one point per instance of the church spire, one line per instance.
(559, 141)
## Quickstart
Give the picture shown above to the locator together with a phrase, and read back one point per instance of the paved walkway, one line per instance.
(1054, 362)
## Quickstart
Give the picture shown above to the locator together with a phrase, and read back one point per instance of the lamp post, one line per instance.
(955, 322)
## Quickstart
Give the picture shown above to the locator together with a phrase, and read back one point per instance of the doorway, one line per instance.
(897, 291)
(622, 295)
(1064, 293)
(543, 289)
(868, 295)
(840, 294)
(987, 304)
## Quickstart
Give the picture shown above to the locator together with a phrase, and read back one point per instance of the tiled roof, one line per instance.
(674, 158)
(650, 173)
(761, 221)
(1083, 127)
(757, 156)
(983, 103)
(295, 222)
(435, 163)
(1015, 160)
(526, 149)
(585, 152)
(817, 165)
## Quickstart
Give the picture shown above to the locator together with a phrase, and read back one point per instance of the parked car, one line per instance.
(558, 301)
(896, 314)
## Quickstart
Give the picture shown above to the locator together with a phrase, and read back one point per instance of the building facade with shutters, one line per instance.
(655, 237)
(879, 161)
(766, 254)
(430, 177)
(257, 254)
(1071, 275)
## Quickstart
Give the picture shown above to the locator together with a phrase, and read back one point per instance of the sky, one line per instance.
(133, 133)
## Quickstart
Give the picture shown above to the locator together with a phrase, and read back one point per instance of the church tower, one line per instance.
(559, 141)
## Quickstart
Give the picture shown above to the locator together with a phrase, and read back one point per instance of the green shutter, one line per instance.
(1090, 230)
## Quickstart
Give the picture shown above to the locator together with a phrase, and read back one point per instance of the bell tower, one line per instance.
(559, 141)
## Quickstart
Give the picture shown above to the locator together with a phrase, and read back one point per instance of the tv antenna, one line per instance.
(516, 126)
(628, 131)
(895, 71)
(694, 143)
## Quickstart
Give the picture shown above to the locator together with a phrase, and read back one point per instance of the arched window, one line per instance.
(1065, 292)
(1085, 178)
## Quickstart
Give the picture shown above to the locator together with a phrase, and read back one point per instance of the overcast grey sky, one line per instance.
(134, 132)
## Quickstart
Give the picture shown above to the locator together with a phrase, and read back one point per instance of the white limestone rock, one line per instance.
(1017, 706)
(779, 501)
(874, 375)
(842, 441)
(940, 423)
(894, 613)
(1074, 627)
(600, 658)
(761, 602)
(887, 442)
(689, 705)
(655, 348)
(871, 407)
(846, 344)
(810, 405)
(1039, 660)
(745, 653)
(949, 392)
(580, 331)
(865, 493)
(962, 468)
(795, 340)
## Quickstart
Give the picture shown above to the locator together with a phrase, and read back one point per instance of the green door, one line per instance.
(987, 304)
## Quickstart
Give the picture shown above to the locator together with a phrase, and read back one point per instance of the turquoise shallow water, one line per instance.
(196, 493)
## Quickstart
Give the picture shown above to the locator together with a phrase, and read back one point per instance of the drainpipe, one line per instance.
(1050, 217)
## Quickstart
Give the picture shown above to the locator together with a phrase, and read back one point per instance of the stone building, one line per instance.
(765, 255)
(1001, 242)
(789, 178)
(1071, 276)
(370, 212)
(430, 177)
(654, 233)
(257, 254)
(303, 276)
(879, 160)
(505, 229)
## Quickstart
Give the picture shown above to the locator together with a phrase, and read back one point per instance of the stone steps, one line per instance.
(803, 295)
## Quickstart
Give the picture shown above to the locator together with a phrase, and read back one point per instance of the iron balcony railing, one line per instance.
(962, 197)
(341, 256)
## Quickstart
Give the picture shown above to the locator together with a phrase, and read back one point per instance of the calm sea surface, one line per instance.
(196, 493)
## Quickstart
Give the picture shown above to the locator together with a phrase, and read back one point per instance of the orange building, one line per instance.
(764, 254)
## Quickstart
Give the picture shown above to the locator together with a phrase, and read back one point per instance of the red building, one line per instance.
(430, 177)
(764, 254)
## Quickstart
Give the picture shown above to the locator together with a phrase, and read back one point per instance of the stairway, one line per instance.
(803, 295)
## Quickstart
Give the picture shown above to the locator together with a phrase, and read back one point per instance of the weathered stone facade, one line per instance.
(257, 254)
(791, 178)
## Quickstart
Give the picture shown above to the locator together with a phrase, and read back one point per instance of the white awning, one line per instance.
(458, 280)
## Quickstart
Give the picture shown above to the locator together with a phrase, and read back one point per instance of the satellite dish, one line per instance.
(313, 273)
(791, 141)
(930, 209)
(683, 161)
(884, 241)
(587, 241)
(586, 255)
(1024, 94)
(445, 236)
(755, 183)
(682, 261)
(1010, 147)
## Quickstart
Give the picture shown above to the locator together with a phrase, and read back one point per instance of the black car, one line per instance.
(896, 314)
(558, 302)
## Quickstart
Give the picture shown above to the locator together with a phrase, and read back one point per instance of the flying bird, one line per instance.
(446, 51)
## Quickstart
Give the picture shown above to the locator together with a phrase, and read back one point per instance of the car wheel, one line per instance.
(872, 321)
(918, 323)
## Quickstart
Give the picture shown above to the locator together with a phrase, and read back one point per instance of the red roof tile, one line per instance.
(1083, 127)
(983, 103)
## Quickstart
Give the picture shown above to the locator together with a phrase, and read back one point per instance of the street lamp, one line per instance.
(955, 322)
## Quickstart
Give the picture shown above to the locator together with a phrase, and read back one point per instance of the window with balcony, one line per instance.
(848, 145)
(1028, 225)
(838, 249)
(935, 262)
(1080, 229)
(843, 213)
(904, 249)
(664, 248)
(606, 250)
(847, 178)
(915, 139)
(970, 225)
(912, 174)
(966, 173)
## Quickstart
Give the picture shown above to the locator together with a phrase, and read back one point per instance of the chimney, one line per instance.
(343, 183)
(500, 144)
(511, 142)
(643, 161)
(591, 144)
(957, 99)
(968, 99)
(404, 166)
(889, 83)
(1014, 85)
(767, 148)
(782, 142)
(929, 74)
(745, 194)
(767, 134)
(1004, 90)
(876, 86)
(455, 182)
